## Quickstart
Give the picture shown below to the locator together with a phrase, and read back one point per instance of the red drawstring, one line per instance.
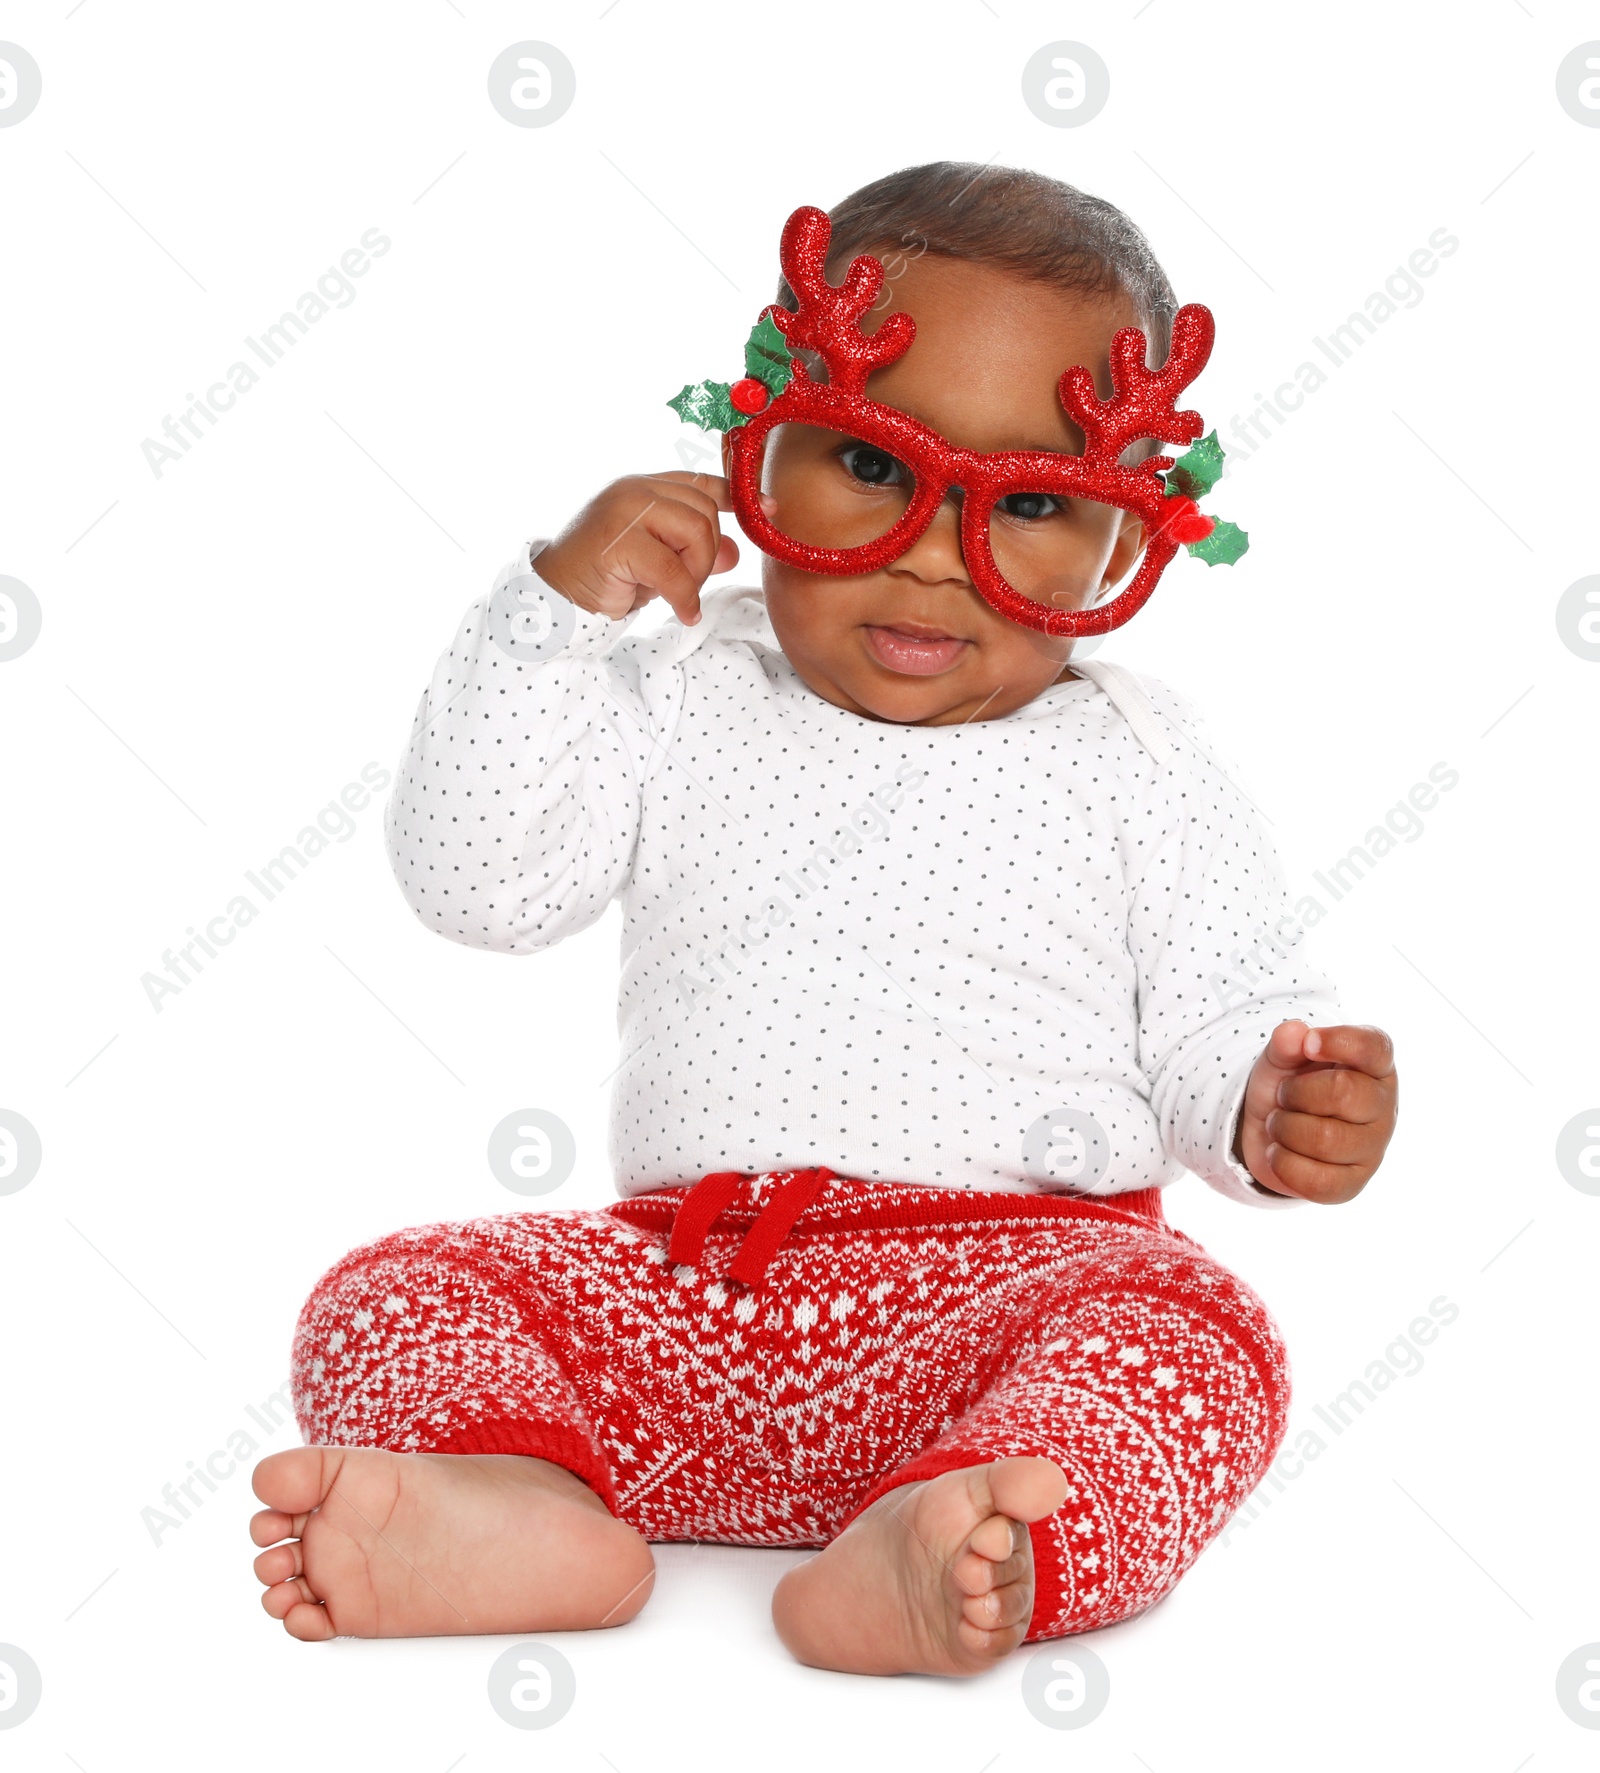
(794, 1194)
(698, 1213)
(705, 1202)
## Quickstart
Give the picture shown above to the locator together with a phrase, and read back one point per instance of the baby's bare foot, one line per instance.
(935, 1578)
(385, 1545)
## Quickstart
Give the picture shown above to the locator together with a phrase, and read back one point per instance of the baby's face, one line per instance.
(915, 642)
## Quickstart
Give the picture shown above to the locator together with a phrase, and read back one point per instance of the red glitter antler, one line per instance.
(828, 320)
(1141, 404)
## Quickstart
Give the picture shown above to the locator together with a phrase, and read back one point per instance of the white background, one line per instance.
(225, 646)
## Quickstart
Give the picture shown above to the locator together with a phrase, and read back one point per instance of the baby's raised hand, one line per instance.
(1318, 1111)
(649, 535)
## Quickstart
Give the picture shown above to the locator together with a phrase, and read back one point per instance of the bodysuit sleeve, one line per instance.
(1221, 956)
(515, 812)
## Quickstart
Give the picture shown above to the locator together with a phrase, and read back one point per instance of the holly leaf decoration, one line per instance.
(707, 405)
(766, 360)
(1197, 470)
(1223, 546)
(766, 356)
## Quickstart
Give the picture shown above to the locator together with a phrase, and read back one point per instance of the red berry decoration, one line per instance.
(1189, 524)
(748, 395)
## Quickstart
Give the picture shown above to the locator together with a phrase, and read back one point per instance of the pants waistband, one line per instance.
(770, 1206)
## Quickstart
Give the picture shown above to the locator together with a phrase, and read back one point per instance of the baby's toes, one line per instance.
(972, 1574)
(297, 1479)
(309, 1622)
(280, 1563)
(997, 1553)
(998, 1537)
(281, 1599)
(269, 1525)
(1000, 1608)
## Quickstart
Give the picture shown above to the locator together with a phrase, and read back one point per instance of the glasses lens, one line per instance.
(1048, 547)
(830, 490)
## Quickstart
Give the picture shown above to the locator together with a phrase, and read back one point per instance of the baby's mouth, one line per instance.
(913, 648)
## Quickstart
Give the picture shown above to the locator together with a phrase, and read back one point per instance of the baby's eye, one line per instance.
(872, 467)
(1030, 507)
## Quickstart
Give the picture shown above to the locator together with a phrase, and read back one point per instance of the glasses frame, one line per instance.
(937, 465)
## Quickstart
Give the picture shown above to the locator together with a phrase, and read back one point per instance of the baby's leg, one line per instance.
(452, 1484)
(1146, 1403)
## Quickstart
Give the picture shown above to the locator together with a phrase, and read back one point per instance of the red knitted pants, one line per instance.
(882, 1332)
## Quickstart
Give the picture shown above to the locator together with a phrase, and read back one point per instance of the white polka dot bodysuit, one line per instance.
(1040, 952)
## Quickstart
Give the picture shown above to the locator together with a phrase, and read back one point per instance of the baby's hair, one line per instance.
(1021, 221)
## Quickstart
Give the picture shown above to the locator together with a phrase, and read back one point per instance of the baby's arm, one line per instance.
(1222, 963)
(515, 813)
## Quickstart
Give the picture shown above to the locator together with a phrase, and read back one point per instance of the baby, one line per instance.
(922, 928)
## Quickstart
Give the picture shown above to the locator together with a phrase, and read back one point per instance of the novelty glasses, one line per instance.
(851, 483)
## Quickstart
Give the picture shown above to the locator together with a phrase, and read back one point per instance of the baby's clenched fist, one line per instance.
(649, 535)
(1318, 1111)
